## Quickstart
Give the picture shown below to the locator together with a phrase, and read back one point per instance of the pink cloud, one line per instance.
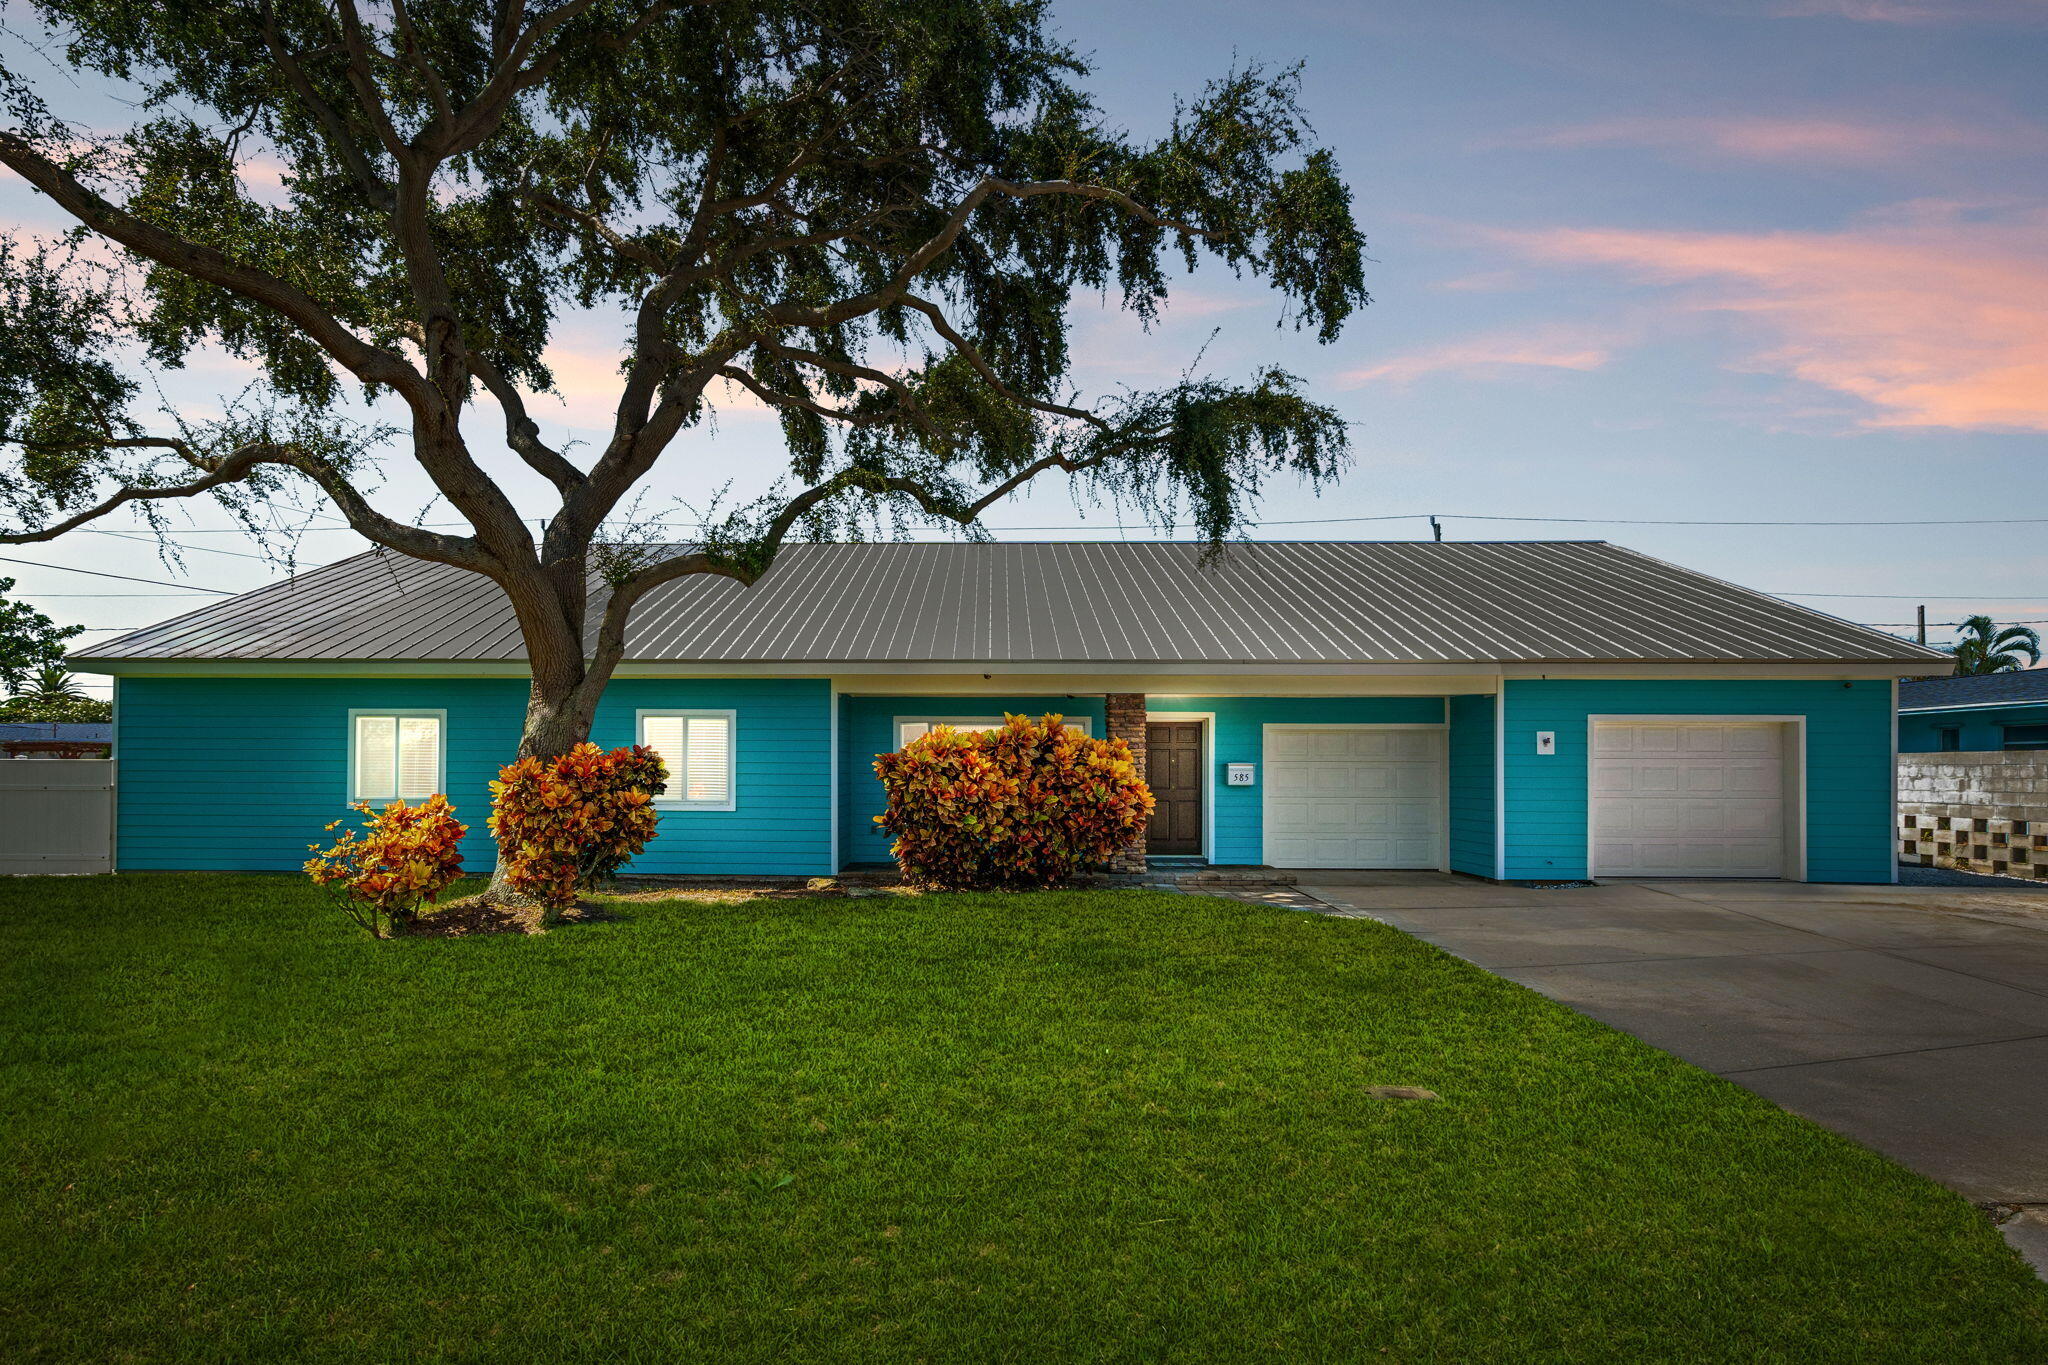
(1552, 350)
(1931, 314)
(589, 381)
(1757, 138)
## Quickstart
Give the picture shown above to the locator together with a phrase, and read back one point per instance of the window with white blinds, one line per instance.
(917, 727)
(394, 755)
(697, 747)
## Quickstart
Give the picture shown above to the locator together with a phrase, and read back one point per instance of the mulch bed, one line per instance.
(475, 915)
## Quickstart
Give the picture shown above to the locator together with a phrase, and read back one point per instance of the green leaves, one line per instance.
(1984, 648)
(870, 215)
(29, 640)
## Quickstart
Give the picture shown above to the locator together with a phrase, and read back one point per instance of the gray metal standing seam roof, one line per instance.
(1308, 602)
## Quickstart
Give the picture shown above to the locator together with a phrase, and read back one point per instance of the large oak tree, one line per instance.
(868, 214)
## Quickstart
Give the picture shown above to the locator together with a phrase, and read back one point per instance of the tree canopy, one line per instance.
(1981, 647)
(869, 215)
(53, 694)
(29, 641)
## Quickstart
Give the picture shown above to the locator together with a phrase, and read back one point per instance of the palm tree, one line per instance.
(52, 684)
(1984, 648)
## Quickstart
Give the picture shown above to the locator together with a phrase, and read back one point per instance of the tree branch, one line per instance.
(522, 433)
(371, 364)
(237, 466)
(791, 400)
(905, 396)
(638, 252)
(859, 305)
(973, 356)
(373, 185)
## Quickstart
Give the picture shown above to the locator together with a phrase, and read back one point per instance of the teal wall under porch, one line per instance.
(1240, 738)
(866, 729)
(1473, 848)
(1976, 730)
(240, 774)
(1849, 775)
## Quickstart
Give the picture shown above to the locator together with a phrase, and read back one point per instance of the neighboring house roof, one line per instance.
(26, 730)
(1308, 602)
(1982, 689)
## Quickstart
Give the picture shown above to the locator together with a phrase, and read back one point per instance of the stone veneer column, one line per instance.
(1124, 718)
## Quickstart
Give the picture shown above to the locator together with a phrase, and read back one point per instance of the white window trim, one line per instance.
(732, 754)
(399, 713)
(1082, 723)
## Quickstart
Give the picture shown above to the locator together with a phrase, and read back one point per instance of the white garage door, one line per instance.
(1358, 796)
(1704, 799)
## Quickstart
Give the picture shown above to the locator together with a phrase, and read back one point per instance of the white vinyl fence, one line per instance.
(56, 815)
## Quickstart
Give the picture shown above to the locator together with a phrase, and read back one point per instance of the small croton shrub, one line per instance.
(404, 857)
(568, 824)
(1027, 805)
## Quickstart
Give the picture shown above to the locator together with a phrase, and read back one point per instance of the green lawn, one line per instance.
(1074, 1127)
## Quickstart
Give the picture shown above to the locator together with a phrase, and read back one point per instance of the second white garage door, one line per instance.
(1354, 796)
(1698, 799)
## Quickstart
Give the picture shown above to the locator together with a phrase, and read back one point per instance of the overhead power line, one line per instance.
(207, 549)
(126, 578)
(1916, 596)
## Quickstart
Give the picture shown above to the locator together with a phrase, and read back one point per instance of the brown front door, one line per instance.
(1173, 769)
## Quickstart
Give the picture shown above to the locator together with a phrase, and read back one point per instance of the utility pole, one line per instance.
(1923, 623)
(1436, 528)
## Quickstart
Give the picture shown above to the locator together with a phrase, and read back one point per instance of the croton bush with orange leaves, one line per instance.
(404, 857)
(1027, 805)
(567, 824)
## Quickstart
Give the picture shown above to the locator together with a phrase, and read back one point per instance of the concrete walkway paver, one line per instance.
(1894, 1015)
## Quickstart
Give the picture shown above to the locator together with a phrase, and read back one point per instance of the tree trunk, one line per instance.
(558, 718)
(561, 701)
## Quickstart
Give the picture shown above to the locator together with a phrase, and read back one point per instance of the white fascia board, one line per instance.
(1190, 679)
(1970, 706)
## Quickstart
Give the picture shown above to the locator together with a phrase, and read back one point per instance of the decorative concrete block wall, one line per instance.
(1978, 812)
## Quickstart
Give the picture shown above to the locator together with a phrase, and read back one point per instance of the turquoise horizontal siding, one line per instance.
(1977, 729)
(1472, 846)
(1240, 738)
(867, 728)
(240, 774)
(1848, 765)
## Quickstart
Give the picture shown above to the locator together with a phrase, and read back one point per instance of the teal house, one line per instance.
(1521, 711)
(1987, 711)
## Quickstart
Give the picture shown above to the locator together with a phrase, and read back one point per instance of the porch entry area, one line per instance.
(1174, 769)
(1243, 781)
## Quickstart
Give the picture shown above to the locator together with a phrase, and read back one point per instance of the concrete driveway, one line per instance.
(1914, 1020)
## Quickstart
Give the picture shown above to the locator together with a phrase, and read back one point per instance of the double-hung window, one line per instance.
(396, 755)
(698, 748)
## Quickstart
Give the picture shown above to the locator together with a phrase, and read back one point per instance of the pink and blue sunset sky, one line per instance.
(1636, 260)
